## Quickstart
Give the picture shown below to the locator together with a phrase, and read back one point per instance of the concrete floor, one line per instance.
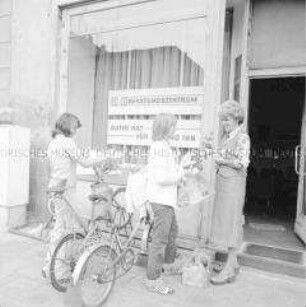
(21, 285)
(281, 235)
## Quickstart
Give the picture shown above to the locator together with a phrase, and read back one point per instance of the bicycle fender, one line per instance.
(82, 260)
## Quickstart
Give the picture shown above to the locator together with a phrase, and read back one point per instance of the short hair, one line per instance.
(65, 123)
(232, 108)
(162, 125)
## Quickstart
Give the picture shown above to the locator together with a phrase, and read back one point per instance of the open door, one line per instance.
(300, 168)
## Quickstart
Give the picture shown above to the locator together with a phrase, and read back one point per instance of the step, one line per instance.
(274, 259)
(266, 258)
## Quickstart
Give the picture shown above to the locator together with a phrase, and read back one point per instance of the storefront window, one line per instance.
(112, 52)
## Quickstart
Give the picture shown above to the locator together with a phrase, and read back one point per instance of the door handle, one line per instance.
(297, 154)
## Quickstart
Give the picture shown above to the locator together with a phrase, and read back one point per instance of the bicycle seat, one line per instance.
(97, 197)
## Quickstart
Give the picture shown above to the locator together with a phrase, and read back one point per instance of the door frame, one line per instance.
(248, 74)
(300, 220)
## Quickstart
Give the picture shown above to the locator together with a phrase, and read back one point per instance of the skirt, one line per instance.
(227, 217)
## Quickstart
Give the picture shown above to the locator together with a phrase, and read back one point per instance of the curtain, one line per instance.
(159, 67)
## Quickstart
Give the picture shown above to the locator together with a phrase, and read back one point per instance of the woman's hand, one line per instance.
(186, 161)
(207, 141)
(230, 163)
(219, 160)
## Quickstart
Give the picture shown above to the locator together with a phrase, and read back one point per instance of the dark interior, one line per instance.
(275, 117)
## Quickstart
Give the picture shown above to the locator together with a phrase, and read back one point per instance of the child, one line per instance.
(164, 174)
(63, 156)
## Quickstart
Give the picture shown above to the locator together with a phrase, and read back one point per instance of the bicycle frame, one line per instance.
(114, 243)
(122, 248)
(87, 229)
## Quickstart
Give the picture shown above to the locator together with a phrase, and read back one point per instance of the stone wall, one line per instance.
(5, 51)
(32, 91)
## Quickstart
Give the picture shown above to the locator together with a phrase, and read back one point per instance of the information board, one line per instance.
(131, 114)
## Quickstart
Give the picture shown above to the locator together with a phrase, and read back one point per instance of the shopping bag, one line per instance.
(193, 189)
(194, 273)
(136, 191)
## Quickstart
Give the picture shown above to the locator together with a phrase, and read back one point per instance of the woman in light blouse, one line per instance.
(164, 175)
(231, 161)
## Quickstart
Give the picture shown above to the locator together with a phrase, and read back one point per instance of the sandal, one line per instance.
(218, 267)
(158, 286)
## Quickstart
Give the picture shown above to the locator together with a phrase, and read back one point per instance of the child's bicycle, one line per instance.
(100, 265)
(87, 233)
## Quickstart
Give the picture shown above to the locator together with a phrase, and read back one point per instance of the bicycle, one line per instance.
(74, 243)
(102, 264)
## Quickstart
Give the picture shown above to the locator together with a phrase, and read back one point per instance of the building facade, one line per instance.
(147, 56)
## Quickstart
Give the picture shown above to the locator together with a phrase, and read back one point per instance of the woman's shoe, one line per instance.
(218, 267)
(225, 277)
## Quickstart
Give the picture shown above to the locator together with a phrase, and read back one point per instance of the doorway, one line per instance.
(274, 121)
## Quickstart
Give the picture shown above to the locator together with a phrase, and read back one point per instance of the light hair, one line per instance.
(232, 108)
(65, 123)
(162, 126)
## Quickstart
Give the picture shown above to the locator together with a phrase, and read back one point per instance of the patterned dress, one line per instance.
(227, 218)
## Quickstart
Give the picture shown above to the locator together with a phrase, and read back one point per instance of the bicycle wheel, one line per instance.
(120, 216)
(97, 276)
(64, 259)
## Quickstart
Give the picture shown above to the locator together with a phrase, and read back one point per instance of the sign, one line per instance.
(181, 100)
(138, 132)
(186, 102)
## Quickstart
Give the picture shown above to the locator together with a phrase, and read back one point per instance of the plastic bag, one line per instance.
(193, 189)
(195, 274)
(136, 191)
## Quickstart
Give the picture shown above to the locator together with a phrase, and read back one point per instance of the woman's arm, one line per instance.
(230, 163)
(75, 155)
(87, 163)
(241, 158)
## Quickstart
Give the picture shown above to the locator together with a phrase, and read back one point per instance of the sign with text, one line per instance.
(138, 132)
(177, 100)
(186, 102)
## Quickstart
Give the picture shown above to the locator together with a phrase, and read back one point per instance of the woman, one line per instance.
(64, 155)
(231, 161)
(164, 175)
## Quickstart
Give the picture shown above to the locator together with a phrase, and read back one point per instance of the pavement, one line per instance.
(21, 285)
